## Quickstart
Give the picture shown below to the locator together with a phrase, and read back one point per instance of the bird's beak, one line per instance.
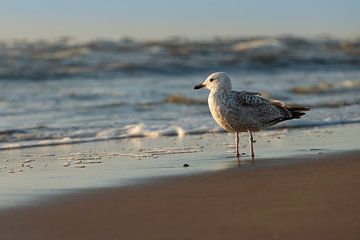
(201, 85)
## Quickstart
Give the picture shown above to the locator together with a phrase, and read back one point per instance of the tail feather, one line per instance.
(292, 111)
(296, 110)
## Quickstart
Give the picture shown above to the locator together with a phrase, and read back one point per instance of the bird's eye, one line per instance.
(211, 79)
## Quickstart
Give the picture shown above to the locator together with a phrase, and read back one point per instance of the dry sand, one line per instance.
(314, 200)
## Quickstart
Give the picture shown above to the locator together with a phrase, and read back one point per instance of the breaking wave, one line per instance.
(65, 58)
(23, 138)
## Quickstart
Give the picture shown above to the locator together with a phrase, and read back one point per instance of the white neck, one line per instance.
(220, 91)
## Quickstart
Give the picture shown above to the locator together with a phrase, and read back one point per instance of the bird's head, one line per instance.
(215, 82)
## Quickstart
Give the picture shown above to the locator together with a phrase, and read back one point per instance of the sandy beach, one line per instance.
(302, 184)
(311, 200)
(103, 136)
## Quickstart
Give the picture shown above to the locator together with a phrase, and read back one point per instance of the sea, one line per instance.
(66, 92)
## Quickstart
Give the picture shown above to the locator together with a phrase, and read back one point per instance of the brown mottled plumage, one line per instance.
(244, 111)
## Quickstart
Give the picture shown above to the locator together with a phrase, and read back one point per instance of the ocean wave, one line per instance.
(67, 59)
(327, 87)
(176, 99)
(141, 130)
(334, 104)
(179, 99)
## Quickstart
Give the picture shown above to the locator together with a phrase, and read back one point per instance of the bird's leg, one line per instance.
(251, 140)
(237, 144)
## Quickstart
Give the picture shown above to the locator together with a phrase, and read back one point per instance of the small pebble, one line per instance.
(11, 171)
(79, 166)
(186, 165)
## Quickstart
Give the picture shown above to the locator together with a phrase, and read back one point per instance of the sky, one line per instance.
(193, 19)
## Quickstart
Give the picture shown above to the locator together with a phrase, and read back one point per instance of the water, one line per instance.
(64, 92)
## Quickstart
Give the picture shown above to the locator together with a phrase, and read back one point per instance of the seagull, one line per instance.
(244, 111)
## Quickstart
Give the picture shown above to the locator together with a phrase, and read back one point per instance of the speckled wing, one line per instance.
(254, 112)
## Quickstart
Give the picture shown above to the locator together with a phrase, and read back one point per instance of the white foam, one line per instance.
(142, 130)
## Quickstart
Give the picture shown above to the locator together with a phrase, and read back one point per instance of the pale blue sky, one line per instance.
(156, 19)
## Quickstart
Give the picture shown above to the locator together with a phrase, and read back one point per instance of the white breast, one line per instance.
(217, 106)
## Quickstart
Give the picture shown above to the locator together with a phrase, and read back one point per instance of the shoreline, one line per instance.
(42, 174)
(62, 142)
(317, 198)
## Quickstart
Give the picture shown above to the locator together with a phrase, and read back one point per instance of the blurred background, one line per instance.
(74, 71)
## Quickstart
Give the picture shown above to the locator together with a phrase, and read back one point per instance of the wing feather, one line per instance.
(257, 111)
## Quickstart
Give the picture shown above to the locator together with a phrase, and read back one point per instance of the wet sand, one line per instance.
(316, 199)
